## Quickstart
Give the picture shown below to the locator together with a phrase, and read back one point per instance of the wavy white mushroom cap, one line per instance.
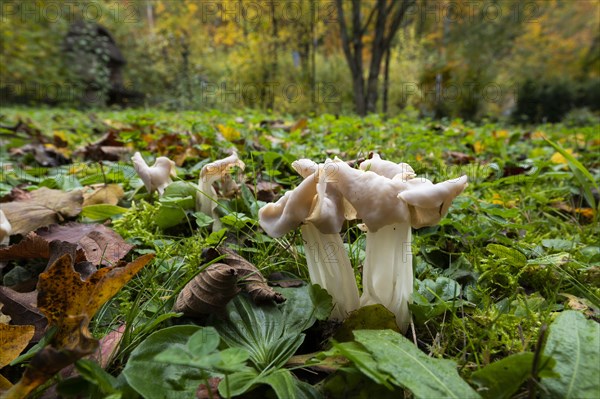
(210, 173)
(313, 201)
(156, 177)
(387, 168)
(278, 218)
(5, 228)
(305, 167)
(429, 203)
(380, 200)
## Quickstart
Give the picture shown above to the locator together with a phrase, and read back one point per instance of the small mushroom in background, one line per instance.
(389, 199)
(206, 202)
(5, 229)
(156, 177)
(320, 210)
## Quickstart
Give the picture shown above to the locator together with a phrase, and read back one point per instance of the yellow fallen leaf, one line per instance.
(103, 194)
(13, 339)
(228, 132)
(65, 298)
(558, 158)
(500, 134)
(478, 147)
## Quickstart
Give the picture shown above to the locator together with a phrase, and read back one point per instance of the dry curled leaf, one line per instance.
(44, 207)
(209, 291)
(250, 278)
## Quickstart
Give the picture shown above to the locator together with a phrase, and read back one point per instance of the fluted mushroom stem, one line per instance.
(387, 272)
(329, 266)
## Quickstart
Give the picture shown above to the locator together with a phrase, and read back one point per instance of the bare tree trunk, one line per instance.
(386, 81)
(390, 15)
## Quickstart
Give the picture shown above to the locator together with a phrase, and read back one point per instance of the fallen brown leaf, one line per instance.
(43, 208)
(22, 309)
(100, 244)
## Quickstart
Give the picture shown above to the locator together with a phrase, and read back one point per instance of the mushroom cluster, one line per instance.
(389, 199)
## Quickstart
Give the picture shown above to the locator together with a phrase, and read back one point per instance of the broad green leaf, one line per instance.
(510, 255)
(503, 378)
(311, 303)
(558, 244)
(575, 344)
(283, 383)
(180, 189)
(156, 380)
(363, 360)
(426, 377)
(102, 211)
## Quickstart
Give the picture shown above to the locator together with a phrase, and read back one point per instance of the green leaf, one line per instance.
(583, 176)
(510, 255)
(426, 377)
(311, 303)
(180, 189)
(363, 360)
(92, 372)
(503, 378)
(101, 211)
(558, 244)
(157, 380)
(575, 344)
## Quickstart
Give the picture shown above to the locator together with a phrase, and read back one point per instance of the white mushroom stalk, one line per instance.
(206, 201)
(5, 229)
(389, 200)
(319, 209)
(156, 177)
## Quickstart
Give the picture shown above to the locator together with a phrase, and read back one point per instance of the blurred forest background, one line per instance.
(525, 61)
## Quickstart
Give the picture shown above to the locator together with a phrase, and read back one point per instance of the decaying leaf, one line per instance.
(209, 391)
(13, 339)
(43, 208)
(30, 247)
(69, 302)
(100, 244)
(96, 244)
(103, 194)
(22, 309)
(250, 278)
(209, 291)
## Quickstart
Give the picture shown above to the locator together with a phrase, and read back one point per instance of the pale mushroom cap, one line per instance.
(5, 227)
(210, 173)
(213, 171)
(387, 168)
(374, 197)
(157, 176)
(429, 203)
(280, 217)
(381, 200)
